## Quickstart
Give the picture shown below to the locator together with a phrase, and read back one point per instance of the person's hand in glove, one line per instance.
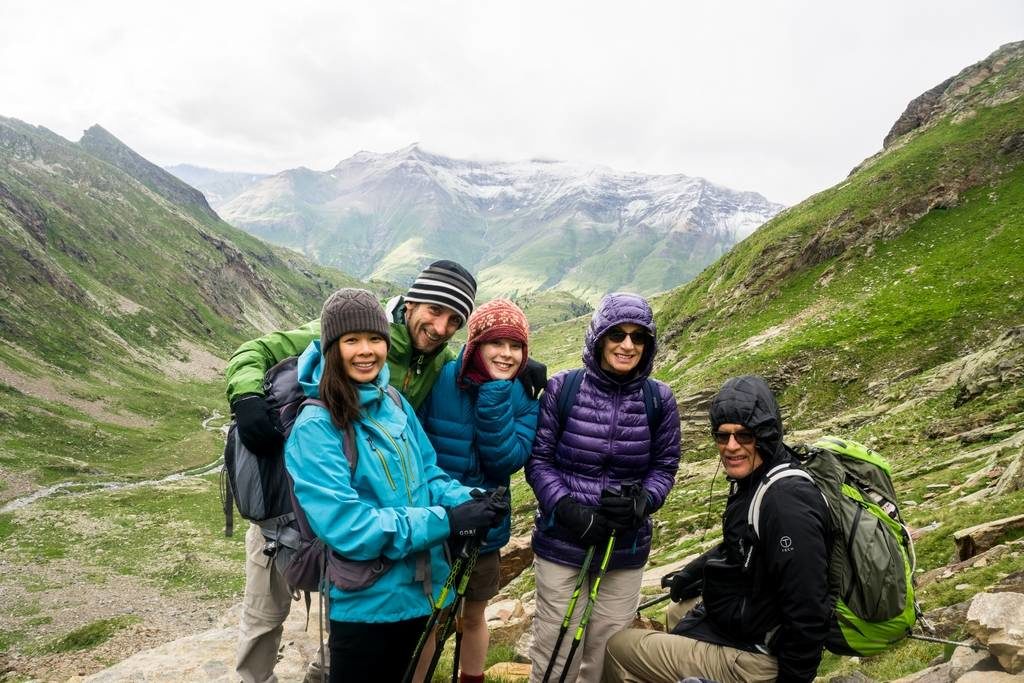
(625, 509)
(499, 501)
(534, 377)
(583, 521)
(256, 424)
(468, 522)
(683, 584)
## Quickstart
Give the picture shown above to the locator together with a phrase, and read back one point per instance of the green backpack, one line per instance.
(871, 563)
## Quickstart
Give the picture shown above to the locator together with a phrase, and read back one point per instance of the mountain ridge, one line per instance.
(522, 226)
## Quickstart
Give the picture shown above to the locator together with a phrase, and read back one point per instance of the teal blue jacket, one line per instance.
(392, 506)
(482, 435)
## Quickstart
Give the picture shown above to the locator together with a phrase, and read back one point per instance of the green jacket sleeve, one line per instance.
(251, 360)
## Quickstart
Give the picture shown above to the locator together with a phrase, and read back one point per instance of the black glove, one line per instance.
(583, 521)
(257, 425)
(499, 501)
(534, 377)
(683, 584)
(471, 520)
(626, 509)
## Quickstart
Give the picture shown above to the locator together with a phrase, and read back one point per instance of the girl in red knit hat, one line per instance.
(482, 422)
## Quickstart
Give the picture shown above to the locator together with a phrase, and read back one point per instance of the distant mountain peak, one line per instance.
(522, 225)
(100, 143)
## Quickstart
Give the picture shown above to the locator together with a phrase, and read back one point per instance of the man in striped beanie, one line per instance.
(438, 304)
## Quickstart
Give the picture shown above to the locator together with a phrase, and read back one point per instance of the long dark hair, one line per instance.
(338, 390)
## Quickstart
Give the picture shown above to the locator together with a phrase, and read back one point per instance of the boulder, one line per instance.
(516, 556)
(1000, 363)
(855, 677)
(989, 677)
(1012, 478)
(507, 620)
(511, 672)
(979, 538)
(523, 646)
(933, 674)
(997, 621)
(950, 570)
(966, 659)
(947, 621)
(210, 655)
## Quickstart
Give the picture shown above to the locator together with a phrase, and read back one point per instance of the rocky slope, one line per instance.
(122, 294)
(522, 226)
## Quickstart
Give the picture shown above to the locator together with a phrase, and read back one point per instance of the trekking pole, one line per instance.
(578, 636)
(458, 648)
(654, 601)
(454, 574)
(569, 610)
(930, 639)
(446, 629)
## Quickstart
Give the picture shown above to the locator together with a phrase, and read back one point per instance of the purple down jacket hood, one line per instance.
(606, 441)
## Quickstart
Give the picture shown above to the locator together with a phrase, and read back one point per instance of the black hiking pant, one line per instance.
(362, 652)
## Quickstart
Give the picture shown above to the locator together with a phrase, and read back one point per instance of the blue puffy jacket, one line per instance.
(392, 506)
(480, 440)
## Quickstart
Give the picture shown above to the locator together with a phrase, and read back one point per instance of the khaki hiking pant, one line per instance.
(265, 606)
(616, 604)
(642, 656)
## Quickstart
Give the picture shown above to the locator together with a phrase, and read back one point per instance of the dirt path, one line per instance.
(75, 596)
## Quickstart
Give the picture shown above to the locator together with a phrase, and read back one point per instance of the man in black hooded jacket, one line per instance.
(765, 603)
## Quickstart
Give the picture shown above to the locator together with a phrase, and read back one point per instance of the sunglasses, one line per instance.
(742, 438)
(638, 337)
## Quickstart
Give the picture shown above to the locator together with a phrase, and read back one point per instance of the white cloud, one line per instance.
(782, 98)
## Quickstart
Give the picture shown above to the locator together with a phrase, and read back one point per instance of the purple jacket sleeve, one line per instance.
(664, 451)
(542, 474)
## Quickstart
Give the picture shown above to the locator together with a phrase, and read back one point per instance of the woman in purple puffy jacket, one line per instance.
(605, 469)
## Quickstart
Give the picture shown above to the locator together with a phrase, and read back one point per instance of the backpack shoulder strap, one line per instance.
(348, 436)
(652, 406)
(774, 474)
(567, 396)
(394, 395)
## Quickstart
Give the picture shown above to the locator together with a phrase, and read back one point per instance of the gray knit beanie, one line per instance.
(445, 283)
(352, 310)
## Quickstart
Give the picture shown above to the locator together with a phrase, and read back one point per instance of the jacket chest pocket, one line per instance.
(392, 470)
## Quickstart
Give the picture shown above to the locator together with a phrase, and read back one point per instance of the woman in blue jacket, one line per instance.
(482, 423)
(396, 507)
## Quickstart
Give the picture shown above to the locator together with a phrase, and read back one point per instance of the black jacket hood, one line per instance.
(748, 401)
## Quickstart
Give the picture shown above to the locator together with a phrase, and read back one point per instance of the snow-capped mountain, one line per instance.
(521, 226)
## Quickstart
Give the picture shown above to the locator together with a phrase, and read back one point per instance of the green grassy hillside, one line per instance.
(889, 309)
(122, 296)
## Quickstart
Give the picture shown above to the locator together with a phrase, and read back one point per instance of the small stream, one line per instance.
(78, 488)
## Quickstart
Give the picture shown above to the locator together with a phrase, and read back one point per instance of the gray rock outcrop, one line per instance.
(997, 621)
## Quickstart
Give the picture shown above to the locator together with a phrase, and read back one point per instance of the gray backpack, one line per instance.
(871, 563)
(264, 493)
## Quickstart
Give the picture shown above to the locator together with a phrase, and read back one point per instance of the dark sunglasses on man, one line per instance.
(742, 438)
(638, 337)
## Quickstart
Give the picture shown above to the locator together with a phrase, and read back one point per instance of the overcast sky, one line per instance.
(778, 97)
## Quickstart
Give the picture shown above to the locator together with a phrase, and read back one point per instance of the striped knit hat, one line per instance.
(445, 283)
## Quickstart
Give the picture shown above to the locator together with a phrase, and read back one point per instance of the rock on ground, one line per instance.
(210, 656)
(997, 620)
